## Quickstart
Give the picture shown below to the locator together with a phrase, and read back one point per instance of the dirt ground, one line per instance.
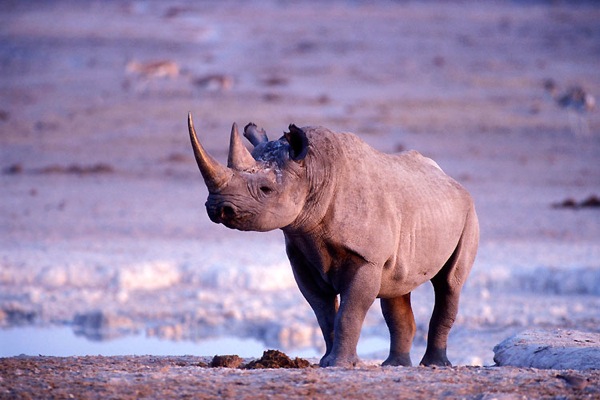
(102, 209)
(188, 377)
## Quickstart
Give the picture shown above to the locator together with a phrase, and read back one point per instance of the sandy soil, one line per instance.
(102, 222)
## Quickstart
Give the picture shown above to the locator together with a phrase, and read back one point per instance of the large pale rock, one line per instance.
(557, 349)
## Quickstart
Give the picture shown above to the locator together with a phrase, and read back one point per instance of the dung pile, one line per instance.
(269, 359)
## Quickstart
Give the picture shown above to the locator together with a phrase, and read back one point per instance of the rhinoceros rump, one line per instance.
(357, 223)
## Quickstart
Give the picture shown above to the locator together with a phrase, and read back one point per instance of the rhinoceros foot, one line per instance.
(339, 361)
(435, 357)
(398, 360)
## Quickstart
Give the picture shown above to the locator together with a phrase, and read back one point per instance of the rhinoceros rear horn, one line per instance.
(255, 135)
(239, 157)
(298, 141)
(215, 175)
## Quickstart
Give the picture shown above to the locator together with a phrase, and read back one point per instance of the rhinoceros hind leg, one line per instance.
(444, 314)
(447, 285)
(401, 323)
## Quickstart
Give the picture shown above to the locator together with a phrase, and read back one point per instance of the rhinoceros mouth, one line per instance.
(228, 214)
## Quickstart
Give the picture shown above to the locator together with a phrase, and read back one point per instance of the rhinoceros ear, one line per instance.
(298, 141)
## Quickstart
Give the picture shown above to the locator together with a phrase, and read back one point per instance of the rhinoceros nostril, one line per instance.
(227, 212)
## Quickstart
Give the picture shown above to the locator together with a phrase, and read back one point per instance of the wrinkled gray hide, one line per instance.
(357, 223)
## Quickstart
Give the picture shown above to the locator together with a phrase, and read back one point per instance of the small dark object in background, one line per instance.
(77, 169)
(399, 148)
(90, 169)
(276, 81)
(14, 169)
(591, 202)
(567, 203)
(214, 82)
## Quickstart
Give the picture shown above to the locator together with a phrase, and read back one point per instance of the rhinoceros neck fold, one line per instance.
(320, 178)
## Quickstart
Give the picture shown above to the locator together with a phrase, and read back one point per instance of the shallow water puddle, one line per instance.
(63, 342)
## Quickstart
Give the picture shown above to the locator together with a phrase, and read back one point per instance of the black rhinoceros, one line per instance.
(358, 224)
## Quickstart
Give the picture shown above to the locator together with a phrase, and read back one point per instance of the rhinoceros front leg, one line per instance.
(323, 302)
(358, 283)
(400, 320)
(359, 289)
(324, 305)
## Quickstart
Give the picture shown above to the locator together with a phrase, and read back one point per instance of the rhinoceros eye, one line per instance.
(266, 190)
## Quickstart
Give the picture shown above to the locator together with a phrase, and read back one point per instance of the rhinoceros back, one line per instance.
(400, 210)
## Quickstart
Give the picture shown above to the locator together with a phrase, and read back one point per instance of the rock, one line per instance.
(228, 361)
(557, 349)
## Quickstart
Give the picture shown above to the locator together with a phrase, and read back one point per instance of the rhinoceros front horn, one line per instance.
(215, 175)
(239, 157)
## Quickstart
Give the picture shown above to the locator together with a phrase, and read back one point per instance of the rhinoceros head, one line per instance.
(261, 191)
